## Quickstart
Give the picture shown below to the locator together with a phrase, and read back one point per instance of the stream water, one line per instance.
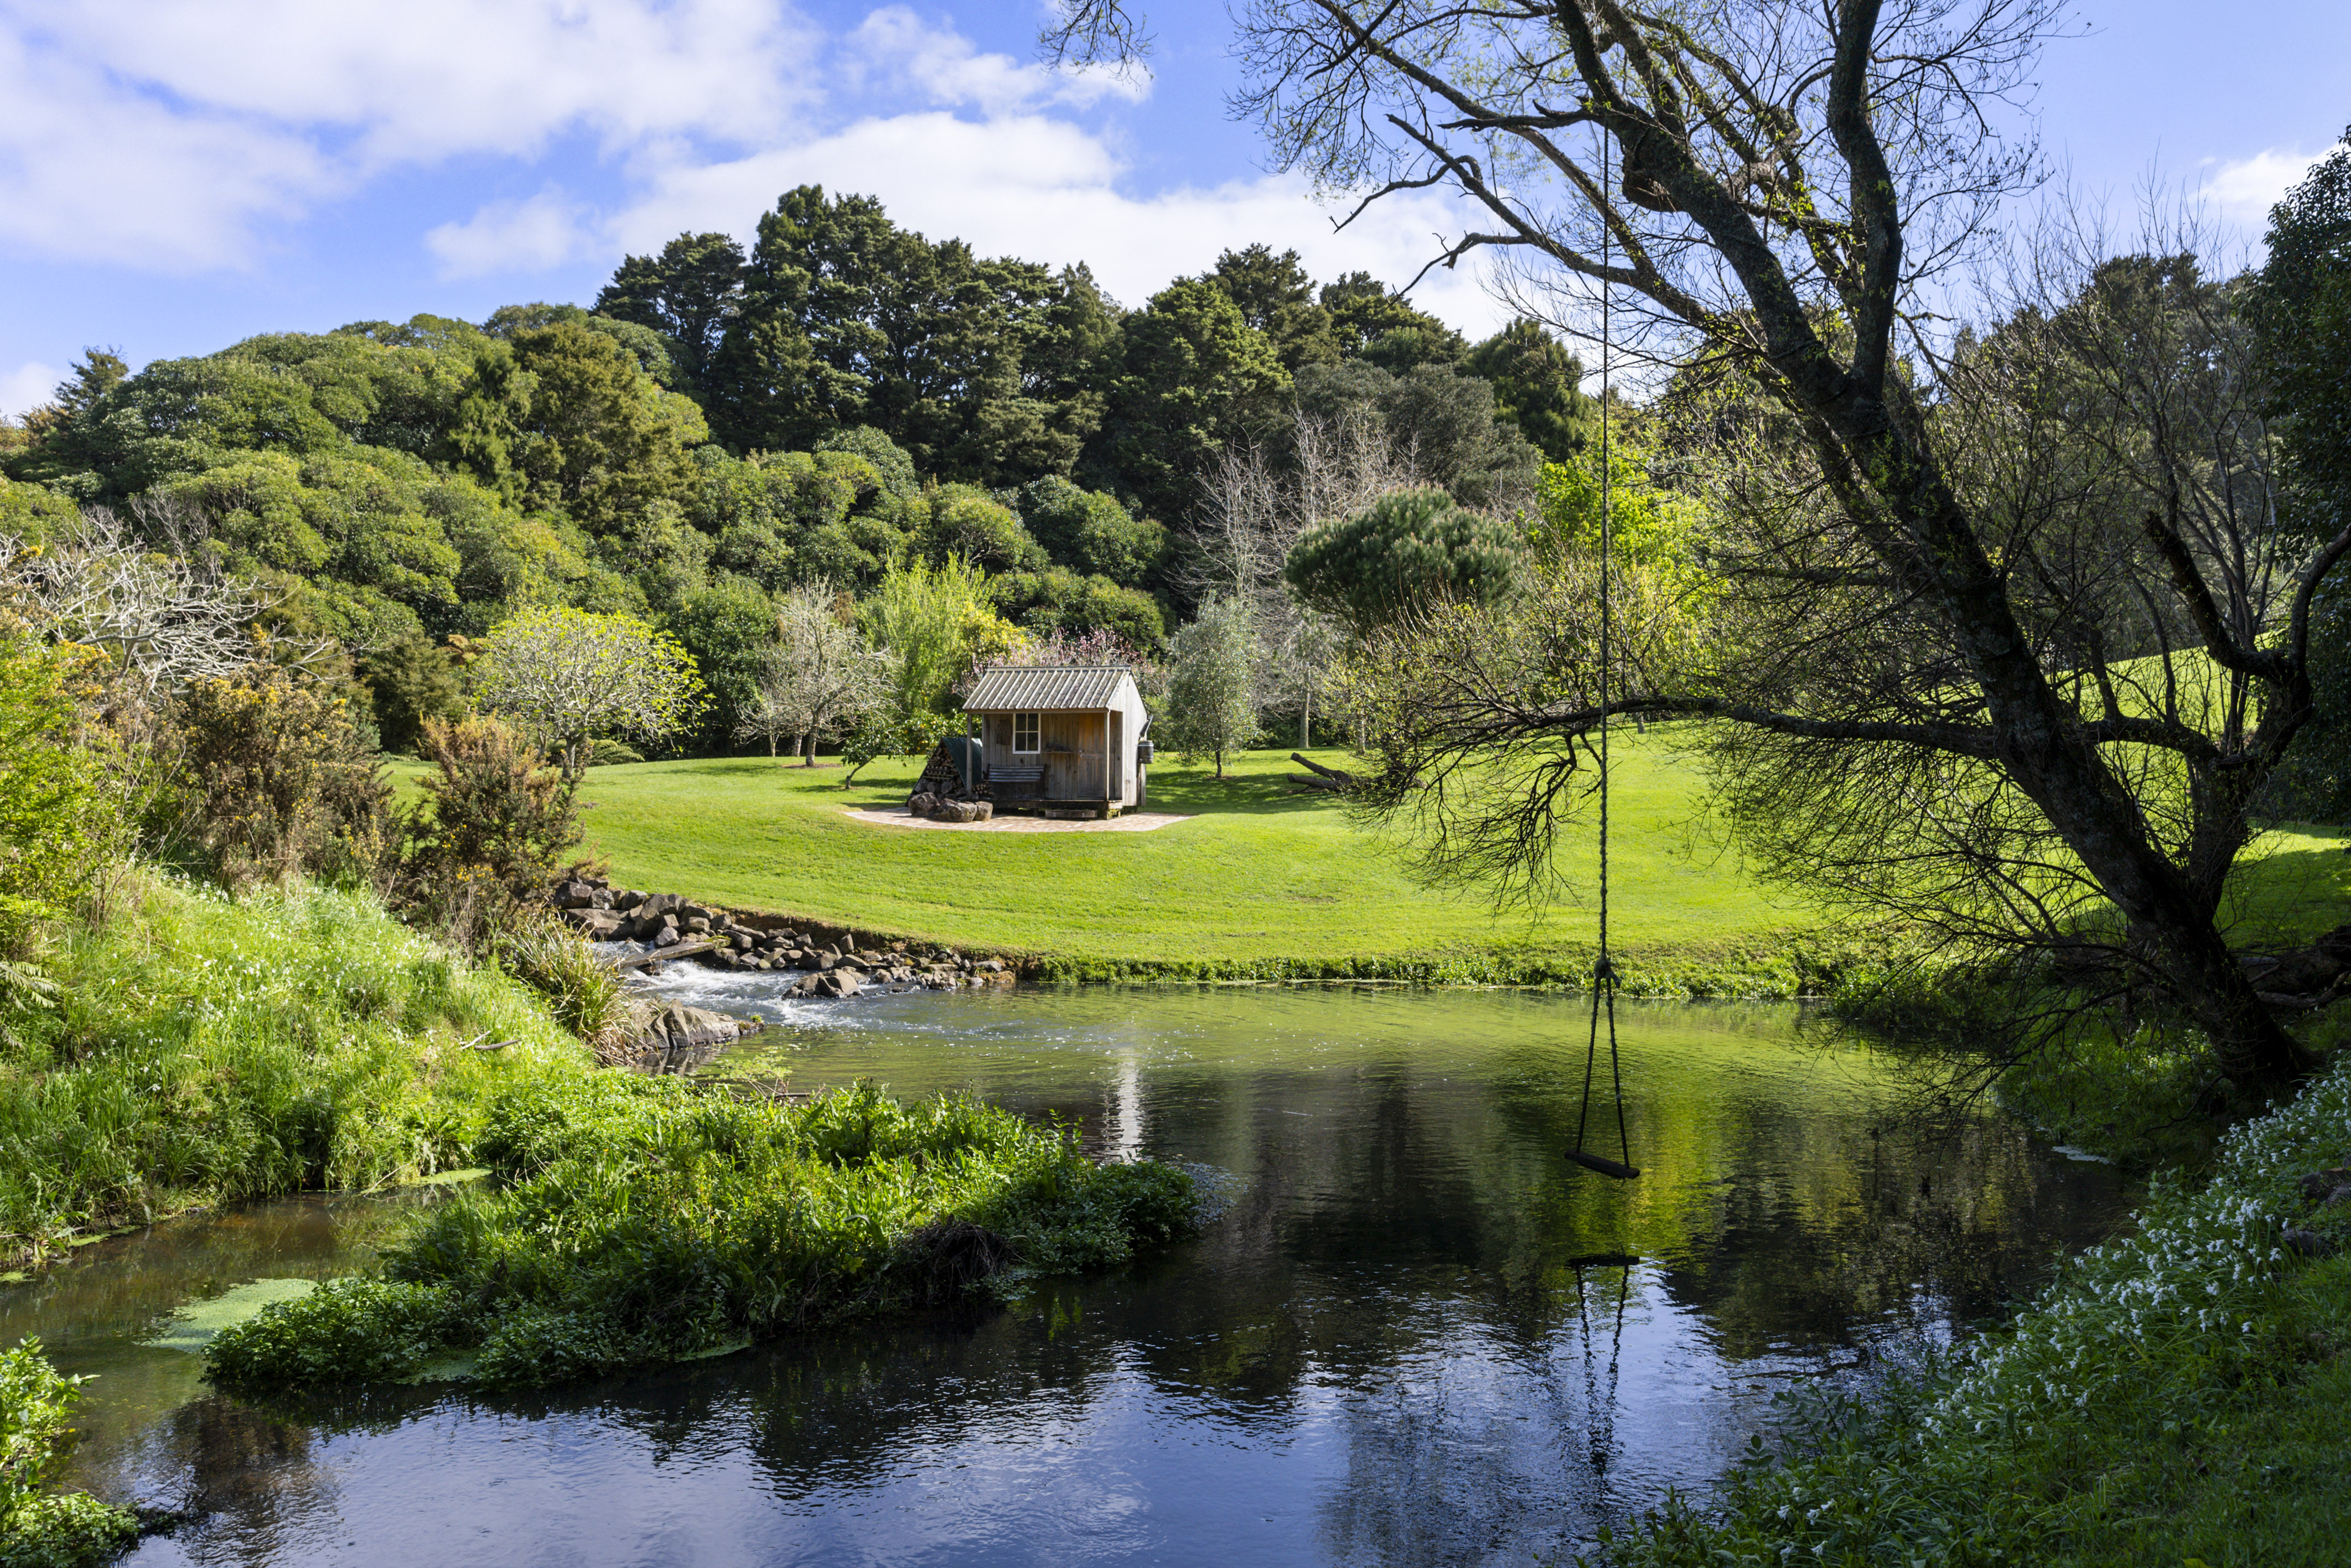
(1417, 1335)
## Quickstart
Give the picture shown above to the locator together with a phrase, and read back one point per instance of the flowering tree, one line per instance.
(571, 678)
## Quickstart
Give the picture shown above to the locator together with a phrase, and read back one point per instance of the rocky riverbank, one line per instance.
(834, 962)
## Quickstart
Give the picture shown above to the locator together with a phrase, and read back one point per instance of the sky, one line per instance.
(175, 177)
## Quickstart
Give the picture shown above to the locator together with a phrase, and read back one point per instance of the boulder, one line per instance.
(840, 983)
(666, 937)
(661, 904)
(922, 803)
(596, 925)
(575, 896)
(2321, 1184)
(627, 898)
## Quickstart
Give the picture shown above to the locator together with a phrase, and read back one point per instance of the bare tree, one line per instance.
(162, 619)
(820, 676)
(1781, 191)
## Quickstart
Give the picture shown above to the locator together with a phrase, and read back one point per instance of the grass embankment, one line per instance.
(1258, 883)
(200, 1052)
(2176, 1396)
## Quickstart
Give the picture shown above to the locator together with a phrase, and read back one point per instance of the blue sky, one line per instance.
(176, 176)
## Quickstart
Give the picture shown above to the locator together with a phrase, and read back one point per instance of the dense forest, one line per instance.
(718, 428)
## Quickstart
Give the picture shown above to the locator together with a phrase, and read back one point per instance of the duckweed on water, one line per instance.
(643, 1219)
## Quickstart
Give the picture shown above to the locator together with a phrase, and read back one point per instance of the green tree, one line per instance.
(1411, 549)
(963, 522)
(932, 624)
(1090, 533)
(1368, 322)
(1198, 378)
(1059, 600)
(1212, 697)
(1275, 298)
(573, 678)
(55, 825)
(728, 629)
(564, 417)
(2301, 310)
(688, 294)
(411, 681)
(1537, 381)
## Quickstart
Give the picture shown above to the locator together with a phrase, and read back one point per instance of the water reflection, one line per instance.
(1417, 1335)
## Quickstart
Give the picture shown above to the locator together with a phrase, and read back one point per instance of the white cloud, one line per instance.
(2245, 189)
(1046, 189)
(168, 136)
(159, 133)
(28, 385)
(534, 235)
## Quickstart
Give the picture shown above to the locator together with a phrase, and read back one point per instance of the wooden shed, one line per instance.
(1066, 737)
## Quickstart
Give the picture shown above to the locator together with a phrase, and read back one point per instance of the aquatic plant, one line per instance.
(38, 1528)
(645, 1219)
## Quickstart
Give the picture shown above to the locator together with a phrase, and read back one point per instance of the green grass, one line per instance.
(643, 1219)
(1259, 879)
(205, 1051)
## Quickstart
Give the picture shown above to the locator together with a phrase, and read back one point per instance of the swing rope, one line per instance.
(1604, 970)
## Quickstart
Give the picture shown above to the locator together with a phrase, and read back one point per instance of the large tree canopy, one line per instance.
(1940, 601)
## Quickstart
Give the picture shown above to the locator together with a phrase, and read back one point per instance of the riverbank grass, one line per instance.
(201, 1051)
(643, 1219)
(2177, 1396)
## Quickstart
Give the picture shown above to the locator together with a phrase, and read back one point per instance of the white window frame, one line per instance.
(1036, 733)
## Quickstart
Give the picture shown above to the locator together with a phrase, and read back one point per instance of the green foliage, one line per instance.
(2300, 311)
(1538, 381)
(584, 993)
(1275, 298)
(846, 320)
(1650, 526)
(563, 416)
(726, 629)
(1446, 422)
(1197, 379)
(1372, 324)
(1061, 601)
(39, 1529)
(965, 524)
(2162, 1402)
(411, 681)
(496, 818)
(346, 1331)
(1091, 534)
(643, 1218)
(279, 781)
(688, 293)
(56, 825)
(1212, 700)
(204, 1051)
(1410, 549)
(933, 624)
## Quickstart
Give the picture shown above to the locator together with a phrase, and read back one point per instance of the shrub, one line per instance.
(495, 820)
(586, 994)
(54, 825)
(280, 781)
(346, 1331)
(39, 1529)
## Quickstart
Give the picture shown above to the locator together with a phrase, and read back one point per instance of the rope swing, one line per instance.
(1604, 972)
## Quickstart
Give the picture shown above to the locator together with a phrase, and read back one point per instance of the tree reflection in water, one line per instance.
(1416, 1336)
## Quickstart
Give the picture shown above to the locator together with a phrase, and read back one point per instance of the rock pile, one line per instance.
(832, 962)
(945, 808)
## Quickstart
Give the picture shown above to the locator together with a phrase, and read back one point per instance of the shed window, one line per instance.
(1024, 731)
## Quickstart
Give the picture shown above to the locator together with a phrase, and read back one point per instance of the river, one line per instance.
(1417, 1334)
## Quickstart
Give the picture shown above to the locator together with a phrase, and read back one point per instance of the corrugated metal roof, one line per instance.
(1046, 687)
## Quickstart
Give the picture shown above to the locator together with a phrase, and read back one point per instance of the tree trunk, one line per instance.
(808, 750)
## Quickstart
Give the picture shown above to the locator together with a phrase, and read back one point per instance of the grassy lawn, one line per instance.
(1256, 873)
